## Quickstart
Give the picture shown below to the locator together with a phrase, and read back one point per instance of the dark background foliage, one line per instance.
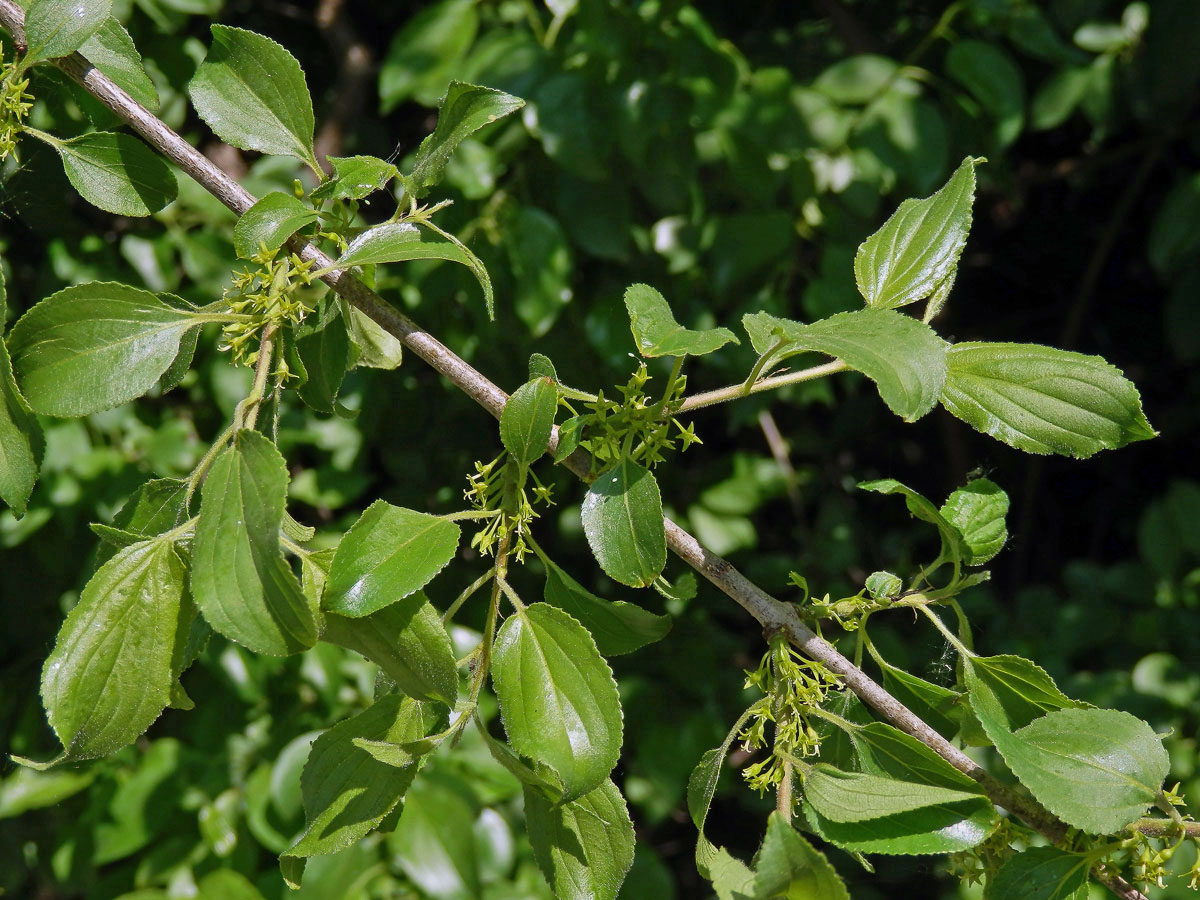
(734, 156)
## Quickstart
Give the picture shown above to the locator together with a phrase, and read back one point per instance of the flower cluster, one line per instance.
(269, 294)
(637, 428)
(15, 104)
(793, 685)
(500, 487)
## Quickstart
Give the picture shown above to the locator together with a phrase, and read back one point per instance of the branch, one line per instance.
(771, 614)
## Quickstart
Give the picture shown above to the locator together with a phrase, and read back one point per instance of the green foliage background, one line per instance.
(733, 156)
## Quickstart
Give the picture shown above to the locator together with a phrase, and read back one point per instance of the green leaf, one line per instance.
(346, 791)
(622, 518)
(55, 28)
(226, 884)
(155, 507)
(702, 786)
(859, 797)
(386, 555)
(434, 842)
(618, 627)
(1039, 873)
(355, 177)
(116, 172)
(1023, 689)
(952, 541)
(408, 643)
(109, 675)
(731, 878)
(403, 241)
(570, 433)
(252, 93)
(541, 366)
(27, 789)
(243, 586)
(584, 847)
(978, 512)
(529, 772)
(324, 348)
(951, 828)
(992, 77)
(1096, 769)
(527, 420)
(464, 110)
(21, 440)
(918, 248)
(273, 219)
(931, 702)
(1042, 400)
(371, 346)
(557, 696)
(788, 866)
(905, 358)
(885, 750)
(883, 585)
(94, 346)
(112, 51)
(426, 52)
(656, 332)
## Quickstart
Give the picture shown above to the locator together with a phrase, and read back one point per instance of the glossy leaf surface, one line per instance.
(918, 248)
(905, 358)
(56, 28)
(94, 346)
(112, 51)
(1040, 873)
(389, 553)
(252, 93)
(584, 847)
(656, 332)
(622, 518)
(527, 420)
(270, 221)
(109, 675)
(557, 696)
(242, 584)
(1043, 400)
(117, 173)
(403, 241)
(355, 177)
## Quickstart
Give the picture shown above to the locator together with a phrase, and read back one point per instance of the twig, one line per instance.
(769, 612)
(736, 391)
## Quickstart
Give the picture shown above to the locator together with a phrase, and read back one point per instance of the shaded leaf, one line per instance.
(408, 643)
(389, 553)
(859, 797)
(618, 627)
(789, 866)
(324, 347)
(242, 585)
(21, 440)
(952, 541)
(1039, 873)
(346, 791)
(584, 847)
(117, 172)
(434, 842)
